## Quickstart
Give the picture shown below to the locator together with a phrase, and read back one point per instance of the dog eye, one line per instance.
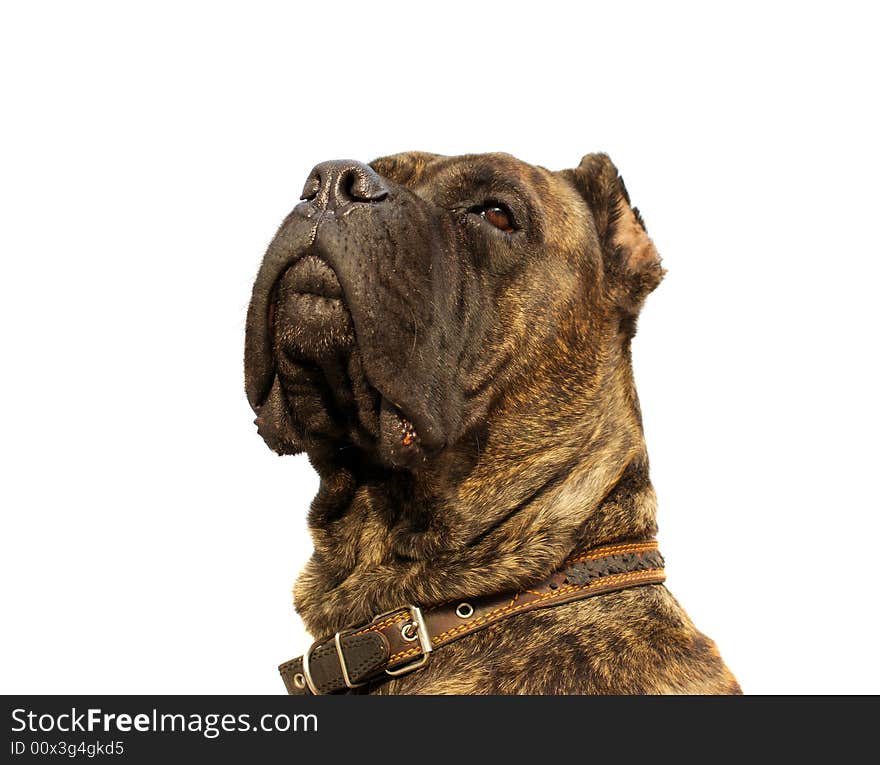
(496, 215)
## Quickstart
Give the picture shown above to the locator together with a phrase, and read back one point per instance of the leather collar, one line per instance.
(402, 640)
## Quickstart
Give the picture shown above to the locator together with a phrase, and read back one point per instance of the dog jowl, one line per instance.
(448, 338)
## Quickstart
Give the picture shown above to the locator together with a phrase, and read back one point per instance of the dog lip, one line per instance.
(429, 437)
(318, 282)
(260, 367)
(258, 397)
(311, 275)
(294, 239)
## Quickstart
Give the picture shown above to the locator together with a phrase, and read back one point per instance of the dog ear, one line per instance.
(631, 263)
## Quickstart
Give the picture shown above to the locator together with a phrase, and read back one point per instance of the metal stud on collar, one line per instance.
(424, 642)
(409, 632)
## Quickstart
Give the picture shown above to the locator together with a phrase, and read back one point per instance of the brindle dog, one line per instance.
(448, 338)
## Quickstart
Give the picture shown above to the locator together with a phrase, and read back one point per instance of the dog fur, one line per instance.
(467, 399)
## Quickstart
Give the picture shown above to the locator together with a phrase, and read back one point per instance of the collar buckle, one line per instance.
(418, 621)
(306, 670)
(337, 641)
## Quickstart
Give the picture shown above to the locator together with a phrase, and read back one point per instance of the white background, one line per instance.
(150, 540)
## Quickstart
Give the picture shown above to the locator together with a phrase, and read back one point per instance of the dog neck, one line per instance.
(494, 513)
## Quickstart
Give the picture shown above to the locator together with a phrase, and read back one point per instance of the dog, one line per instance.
(448, 339)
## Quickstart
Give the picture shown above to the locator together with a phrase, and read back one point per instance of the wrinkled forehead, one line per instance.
(474, 173)
(445, 180)
(556, 213)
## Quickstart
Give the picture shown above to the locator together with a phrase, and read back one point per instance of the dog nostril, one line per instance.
(312, 187)
(348, 184)
(359, 187)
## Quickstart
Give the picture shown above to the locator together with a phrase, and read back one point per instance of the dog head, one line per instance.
(402, 303)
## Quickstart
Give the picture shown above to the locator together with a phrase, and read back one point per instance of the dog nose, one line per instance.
(335, 183)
